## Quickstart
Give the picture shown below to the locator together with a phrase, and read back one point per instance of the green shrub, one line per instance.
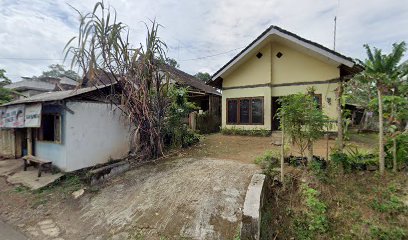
(402, 150)
(314, 219)
(189, 138)
(354, 159)
(244, 132)
(268, 161)
(208, 123)
(318, 167)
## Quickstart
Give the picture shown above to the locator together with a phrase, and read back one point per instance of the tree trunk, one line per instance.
(339, 117)
(394, 155)
(381, 132)
(310, 151)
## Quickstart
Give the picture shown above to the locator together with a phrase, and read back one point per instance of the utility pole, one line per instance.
(335, 29)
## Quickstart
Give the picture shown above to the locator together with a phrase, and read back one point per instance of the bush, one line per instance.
(208, 123)
(354, 159)
(189, 138)
(318, 167)
(268, 161)
(313, 220)
(402, 150)
(243, 132)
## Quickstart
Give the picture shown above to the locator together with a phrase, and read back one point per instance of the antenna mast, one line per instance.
(335, 25)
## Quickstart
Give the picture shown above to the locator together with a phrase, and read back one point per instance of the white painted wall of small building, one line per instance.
(94, 134)
(51, 151)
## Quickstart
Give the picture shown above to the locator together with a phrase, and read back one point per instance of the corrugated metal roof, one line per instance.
(53, 96)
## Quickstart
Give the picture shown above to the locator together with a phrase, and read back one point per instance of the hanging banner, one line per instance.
(2, 116)
(14, 117)
(33, 116)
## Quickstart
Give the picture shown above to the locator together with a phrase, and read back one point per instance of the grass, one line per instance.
(357, 205)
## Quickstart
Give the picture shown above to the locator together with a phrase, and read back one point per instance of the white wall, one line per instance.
(94, 134)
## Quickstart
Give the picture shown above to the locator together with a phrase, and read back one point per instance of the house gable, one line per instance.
(294, 66)
(254, 71)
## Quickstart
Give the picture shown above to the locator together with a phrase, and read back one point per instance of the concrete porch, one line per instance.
(13, 171)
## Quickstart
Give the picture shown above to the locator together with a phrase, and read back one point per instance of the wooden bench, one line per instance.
(33, 161)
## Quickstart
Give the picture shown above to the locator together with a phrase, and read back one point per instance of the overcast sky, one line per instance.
(202, 35)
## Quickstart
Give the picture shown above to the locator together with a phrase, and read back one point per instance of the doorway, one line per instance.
(275, 119)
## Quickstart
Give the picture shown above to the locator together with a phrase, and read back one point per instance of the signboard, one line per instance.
(33, 116)
(14, 117)
(21, 116)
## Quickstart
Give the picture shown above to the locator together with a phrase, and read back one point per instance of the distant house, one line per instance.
(275, 64)
(32, 86)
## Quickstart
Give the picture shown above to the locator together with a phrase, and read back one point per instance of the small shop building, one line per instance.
(73, 129)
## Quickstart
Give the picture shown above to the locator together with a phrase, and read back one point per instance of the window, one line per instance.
(50, 129)
(232, 111)
(245, 111)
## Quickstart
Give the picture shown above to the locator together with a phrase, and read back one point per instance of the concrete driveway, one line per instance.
(189, 198)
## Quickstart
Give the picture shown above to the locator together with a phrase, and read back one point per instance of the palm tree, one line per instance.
(383, 70)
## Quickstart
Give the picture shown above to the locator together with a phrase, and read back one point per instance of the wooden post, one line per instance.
(29, 142)
(282, 160)
(326, 136)
(339, 117)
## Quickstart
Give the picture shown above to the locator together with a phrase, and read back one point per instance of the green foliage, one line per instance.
(268, 161)
(6, 95)
(402, 149)
(382, 233)
(354, 159)
(208, 123)
(314, 219)
(172, 62)
(388, 202)
(318, 167)
(176, 130)
(3, 79)
(57, 71)
(260, 132)
(203, 76)
(302, 120)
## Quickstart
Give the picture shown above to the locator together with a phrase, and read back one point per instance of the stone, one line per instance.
(78, 193)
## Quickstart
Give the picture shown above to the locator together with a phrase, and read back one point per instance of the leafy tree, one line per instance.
(303, 122)
(3, 79)
(57, 71)
(383, 71)
(172, 62)
(145, 95)
(5, 94)
(203, 76)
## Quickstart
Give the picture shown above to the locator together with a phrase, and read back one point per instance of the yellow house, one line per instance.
(275, 64)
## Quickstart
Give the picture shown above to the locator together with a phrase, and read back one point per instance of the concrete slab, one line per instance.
(29, 178)
(8, 167)
(251, 217)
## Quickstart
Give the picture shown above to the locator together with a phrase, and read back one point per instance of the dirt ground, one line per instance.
(246, 148)
(197, 194)
(179, 198)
